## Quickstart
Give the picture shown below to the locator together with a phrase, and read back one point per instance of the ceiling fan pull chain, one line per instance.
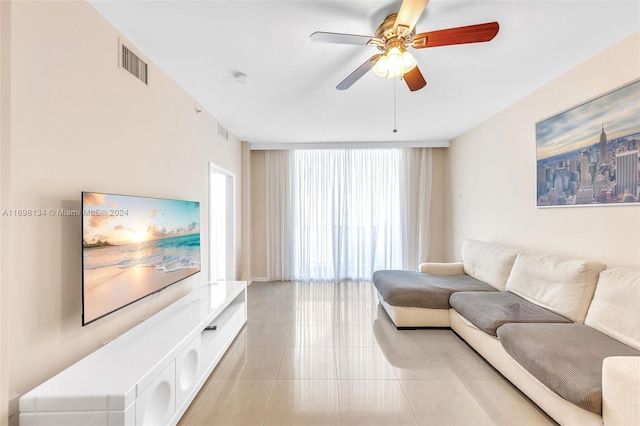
(395, 121)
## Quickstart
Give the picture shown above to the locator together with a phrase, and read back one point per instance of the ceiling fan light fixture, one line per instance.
(395, 63)
(392, 38)
(408, 61)
(381, 68)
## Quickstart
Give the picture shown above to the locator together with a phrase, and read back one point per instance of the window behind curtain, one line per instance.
(346, 212)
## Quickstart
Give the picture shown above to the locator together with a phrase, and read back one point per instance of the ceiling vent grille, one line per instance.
(132, 63)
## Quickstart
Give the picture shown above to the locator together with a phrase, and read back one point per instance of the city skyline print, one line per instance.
(588, 155)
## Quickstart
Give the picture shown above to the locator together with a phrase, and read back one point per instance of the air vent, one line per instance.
(132, 63)
(223, 132)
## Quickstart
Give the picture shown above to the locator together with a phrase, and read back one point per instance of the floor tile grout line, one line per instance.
(464, 384)
(275, 382)
(283, 355)
(335, 357)
(404, 392)
(266, 413)
(335, 363)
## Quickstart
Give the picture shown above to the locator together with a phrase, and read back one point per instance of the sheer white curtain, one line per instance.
(279, 215)
(345, 213)
(347, 207)
(417, 175)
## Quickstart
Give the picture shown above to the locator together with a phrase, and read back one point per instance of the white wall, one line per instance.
(491, 193)
(5, 121)
(78, 122)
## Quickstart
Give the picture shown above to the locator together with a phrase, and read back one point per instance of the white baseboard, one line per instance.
(259, 279)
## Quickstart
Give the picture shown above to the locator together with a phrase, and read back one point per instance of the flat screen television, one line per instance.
(133, 247)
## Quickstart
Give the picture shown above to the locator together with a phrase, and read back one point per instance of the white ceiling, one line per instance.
(291, 97)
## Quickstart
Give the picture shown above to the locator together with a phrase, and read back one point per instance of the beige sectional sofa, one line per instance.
(566, 332)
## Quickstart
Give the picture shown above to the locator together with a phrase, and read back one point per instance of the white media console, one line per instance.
(150, 374)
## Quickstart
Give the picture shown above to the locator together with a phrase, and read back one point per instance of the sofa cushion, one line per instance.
(488, 311)
(567, 358)
(488, 262)
(615, 308)
(415, 289)
(564, 286)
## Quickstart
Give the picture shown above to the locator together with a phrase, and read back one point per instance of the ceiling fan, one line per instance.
(395, 35)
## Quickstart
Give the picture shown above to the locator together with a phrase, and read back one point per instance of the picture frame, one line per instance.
(588, 155)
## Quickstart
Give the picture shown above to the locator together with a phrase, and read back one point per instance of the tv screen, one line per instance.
(133, 247)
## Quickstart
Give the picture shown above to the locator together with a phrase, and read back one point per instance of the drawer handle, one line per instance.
(211, 327)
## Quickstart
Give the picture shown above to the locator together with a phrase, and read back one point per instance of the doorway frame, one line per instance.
(230, 266)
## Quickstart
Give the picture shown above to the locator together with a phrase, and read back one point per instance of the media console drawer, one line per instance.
(150, 374)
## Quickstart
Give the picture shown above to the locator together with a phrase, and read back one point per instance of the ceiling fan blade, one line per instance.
(359, 72)
(339, 38)
(460, 35)
(408, 15)
(414, 79)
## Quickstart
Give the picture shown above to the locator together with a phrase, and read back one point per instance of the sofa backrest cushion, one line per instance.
(488, 262)
(615, 308)
(564, 286)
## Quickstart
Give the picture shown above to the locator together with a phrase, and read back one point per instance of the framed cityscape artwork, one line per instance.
(588, 155)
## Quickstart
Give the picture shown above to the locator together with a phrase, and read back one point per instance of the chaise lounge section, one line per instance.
(421, 299)
(566, 332)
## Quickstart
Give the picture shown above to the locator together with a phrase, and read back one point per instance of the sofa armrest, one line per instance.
(621, 390)
(456, 268)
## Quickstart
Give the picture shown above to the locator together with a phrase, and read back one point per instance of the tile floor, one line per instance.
(327, 354)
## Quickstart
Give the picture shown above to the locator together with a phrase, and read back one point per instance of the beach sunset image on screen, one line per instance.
(134, 246)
